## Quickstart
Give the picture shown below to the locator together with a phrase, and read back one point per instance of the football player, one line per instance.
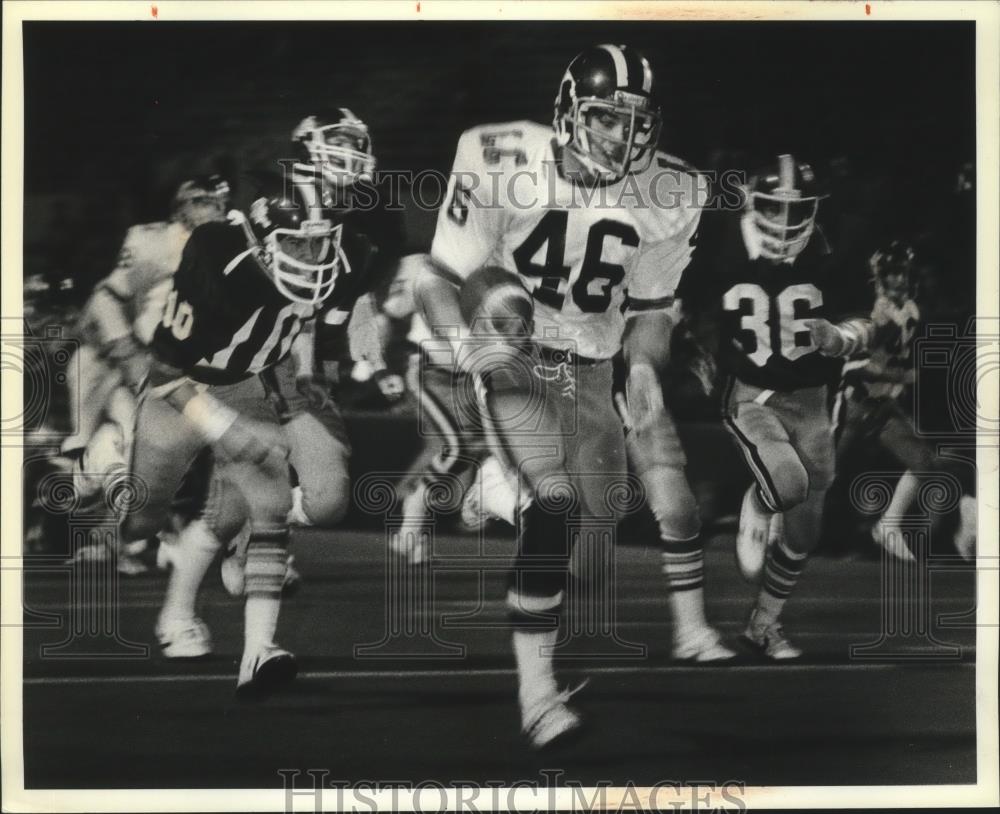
(768, 283)
(333, 156)
(239, 299)
(873, 406)
(117, 325)
(598, 225)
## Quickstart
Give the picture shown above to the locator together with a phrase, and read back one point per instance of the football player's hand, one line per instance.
(826, 337)
(315, 392)
(255, 442)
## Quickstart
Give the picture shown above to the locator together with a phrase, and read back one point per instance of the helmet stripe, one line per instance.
(621, 65)
(786, 172)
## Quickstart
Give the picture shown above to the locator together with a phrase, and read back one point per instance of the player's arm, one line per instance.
(652, 314)
(468, 228)
(108, 313)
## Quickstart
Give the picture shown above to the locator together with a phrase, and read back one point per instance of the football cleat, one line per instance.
(550, 721)
(701, 646)
(889, 536)
(183, 638)
(770, 640)
(752, 537)
(265, 671)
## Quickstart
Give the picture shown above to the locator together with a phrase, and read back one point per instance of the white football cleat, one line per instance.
(889, 536)
(265, 671)
(549, 720)
(702, 645)
(408, 540)
(752, 537)
(183, 638)
(769, 638)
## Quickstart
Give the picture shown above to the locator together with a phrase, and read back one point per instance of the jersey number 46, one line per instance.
(553, 276)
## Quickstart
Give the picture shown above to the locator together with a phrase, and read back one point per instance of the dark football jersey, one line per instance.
(759, 311)
(224, 318)
(372, 241)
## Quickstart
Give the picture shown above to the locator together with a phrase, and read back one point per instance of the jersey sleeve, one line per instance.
(121, 282)
(658, 270)
(470, 222)
(191, 301)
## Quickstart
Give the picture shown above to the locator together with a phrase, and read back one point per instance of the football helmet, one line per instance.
(201, 199)
(335, 147)
(297, 243)
(605, 112)
(782, 201)
(894, 271)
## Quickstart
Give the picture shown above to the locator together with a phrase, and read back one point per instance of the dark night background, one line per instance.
(117, 113)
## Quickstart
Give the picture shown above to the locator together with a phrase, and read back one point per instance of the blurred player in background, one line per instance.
(117, 325)
(240, 297)
(877, 400)
(598, 227)
(766, 280)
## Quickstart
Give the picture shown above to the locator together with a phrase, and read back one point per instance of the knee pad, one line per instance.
(326, 507)
(789, 483)
(672, 502)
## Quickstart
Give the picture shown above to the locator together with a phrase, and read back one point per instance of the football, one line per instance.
(494, 302)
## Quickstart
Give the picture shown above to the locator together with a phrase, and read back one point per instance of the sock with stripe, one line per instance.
(684, 566)
(196, 548)
(781, 572)
(265, 573)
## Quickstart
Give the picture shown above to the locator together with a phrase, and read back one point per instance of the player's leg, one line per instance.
(320, 453)
(164, 451)
(88, 395)
(659, 460)
(267, 493)
(782, 483)
(805, 416)
(448, 416)
(523, 415)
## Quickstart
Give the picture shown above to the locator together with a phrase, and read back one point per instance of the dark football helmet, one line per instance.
(894, 271)
(782, 201)
(336, 147)
(297, 242)
(201, 199)
(606, 113)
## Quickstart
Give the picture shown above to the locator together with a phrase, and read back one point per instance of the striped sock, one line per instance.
(781, 572)
(684, 567)
(267, 555)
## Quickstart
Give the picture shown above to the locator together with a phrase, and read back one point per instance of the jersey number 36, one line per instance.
(789, 335)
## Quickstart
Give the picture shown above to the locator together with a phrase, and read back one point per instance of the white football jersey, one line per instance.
(141, 279)
(587, 256)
